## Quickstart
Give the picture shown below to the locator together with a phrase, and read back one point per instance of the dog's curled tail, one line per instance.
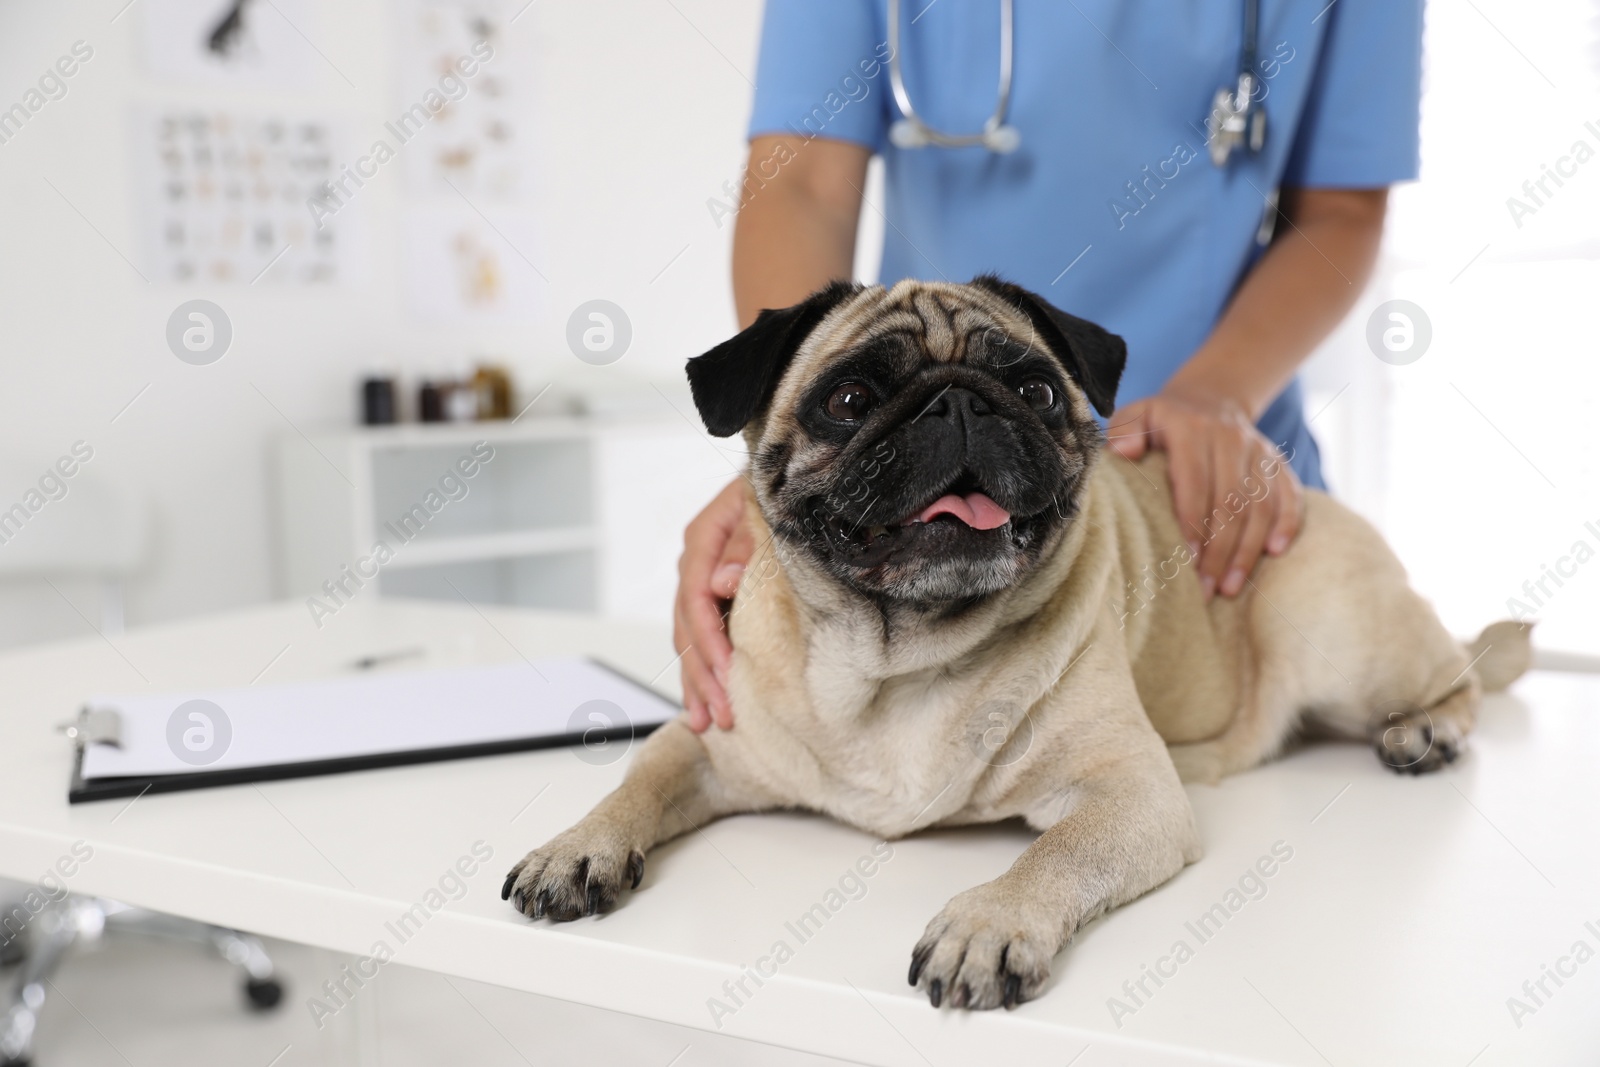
(1502, 653)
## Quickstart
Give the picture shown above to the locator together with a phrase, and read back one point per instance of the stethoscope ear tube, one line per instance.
(1002, 140)
(910, 131)
(1236, 118)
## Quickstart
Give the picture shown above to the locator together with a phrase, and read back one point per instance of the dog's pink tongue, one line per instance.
(974, 509)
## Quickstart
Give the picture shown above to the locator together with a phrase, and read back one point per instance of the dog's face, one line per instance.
(924, 444)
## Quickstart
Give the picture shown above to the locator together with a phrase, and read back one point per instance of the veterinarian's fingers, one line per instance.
(697, 609)
(693, 702)
(725, 579)
(1128, 430)
(1226, 512)
(1189, 473)
(701, 689)
(689, 669)
(1288, 500)
(706, 633)
(1257, 522)
(706, 538)
(698, 681)
(731, 566)
(699, 717)
(739, 548)
(705, 543)
(722, 712)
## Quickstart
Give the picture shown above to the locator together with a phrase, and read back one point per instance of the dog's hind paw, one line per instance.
(989, 948)
(581, 872)
(1410, 741)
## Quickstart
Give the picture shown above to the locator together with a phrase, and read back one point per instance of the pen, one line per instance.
(366, 663)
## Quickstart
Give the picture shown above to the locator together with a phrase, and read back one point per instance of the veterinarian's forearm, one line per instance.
(796, 229)
(1316, 267)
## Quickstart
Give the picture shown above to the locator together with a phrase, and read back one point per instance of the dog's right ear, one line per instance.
(734, 381)
(1092, 355)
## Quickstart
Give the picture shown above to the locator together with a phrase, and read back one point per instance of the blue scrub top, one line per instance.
(1111, 208)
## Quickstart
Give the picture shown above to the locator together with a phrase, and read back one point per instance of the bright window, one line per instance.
(1481, 459)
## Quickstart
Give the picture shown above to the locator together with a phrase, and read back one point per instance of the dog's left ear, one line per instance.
(1093, 355)
(733, 382)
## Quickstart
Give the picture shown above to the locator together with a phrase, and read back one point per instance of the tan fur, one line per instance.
(1073, 700)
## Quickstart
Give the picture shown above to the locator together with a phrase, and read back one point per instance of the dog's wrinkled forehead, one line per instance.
(919, 322)
(915, 326)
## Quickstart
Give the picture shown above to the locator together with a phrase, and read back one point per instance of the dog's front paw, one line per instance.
(990, 947)
(581, 872)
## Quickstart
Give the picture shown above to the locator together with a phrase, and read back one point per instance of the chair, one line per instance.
(99, 531)
(45, 938)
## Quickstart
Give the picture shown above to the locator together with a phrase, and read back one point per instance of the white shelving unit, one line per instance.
(521, 528)
(583, 513)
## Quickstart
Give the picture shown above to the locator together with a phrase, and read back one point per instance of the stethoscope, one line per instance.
(1236, 120)
(909, 131)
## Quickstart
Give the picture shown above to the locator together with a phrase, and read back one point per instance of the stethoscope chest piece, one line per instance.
(1237, 118)
(1235, 121)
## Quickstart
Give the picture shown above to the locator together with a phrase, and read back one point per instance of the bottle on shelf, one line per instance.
(378, 400)
(430, 402)
(492, 385)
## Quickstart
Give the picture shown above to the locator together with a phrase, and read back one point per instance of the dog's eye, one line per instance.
(1037, 394)
(849, 402)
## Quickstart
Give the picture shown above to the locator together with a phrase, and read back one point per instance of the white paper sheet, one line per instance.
(366, 714)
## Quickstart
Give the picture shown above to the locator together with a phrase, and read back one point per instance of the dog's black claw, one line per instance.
(505, 890)
(636, 868)
(1013, 993)
(936, 992)
(521, 902)
(592, 905)
(540, 903)
(919, 960)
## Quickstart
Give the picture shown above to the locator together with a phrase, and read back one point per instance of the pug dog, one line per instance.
(964, 611)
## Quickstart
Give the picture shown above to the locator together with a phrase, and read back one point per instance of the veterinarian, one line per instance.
(1207, 179)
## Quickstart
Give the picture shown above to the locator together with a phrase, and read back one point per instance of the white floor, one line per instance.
(134, 1001)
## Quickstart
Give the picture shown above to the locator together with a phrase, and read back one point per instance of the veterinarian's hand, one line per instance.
(1234, 494)
(716, 548)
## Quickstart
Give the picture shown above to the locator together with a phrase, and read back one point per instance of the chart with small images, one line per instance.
(226, 199)
(467, 229)
(474, 141)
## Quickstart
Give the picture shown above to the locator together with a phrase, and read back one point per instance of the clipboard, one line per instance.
(126, 746)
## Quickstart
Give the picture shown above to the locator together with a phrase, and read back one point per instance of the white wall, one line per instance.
(1479, 460)
(637, 110)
